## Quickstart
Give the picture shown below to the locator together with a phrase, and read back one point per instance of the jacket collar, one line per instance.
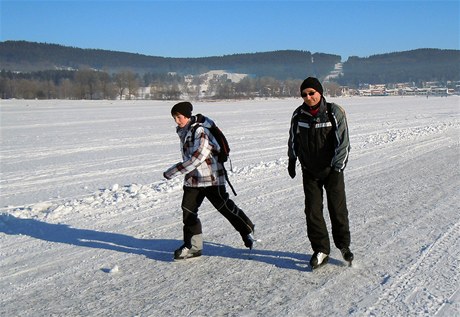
(321, 104)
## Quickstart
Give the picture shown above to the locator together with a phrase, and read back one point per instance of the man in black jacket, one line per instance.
(318, 137)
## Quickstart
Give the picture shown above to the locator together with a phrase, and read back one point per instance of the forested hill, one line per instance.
(409, 66)
(417, 66)
(30, 56)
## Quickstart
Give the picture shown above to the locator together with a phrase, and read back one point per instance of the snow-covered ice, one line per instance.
(88, 224)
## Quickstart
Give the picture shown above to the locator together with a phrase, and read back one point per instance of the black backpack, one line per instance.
(224, 153)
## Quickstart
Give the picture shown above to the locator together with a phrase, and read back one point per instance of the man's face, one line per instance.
(311, 97)
(181, 120)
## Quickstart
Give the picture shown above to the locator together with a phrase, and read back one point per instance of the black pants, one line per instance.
(334, 185)
(219, 198)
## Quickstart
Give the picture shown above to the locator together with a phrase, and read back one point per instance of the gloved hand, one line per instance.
(166, 175)
(291, 167)
(170, 172)
(335, 171)
(334, 174)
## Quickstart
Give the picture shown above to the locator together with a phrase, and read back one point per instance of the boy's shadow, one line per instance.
(156, 249)
(62, 233)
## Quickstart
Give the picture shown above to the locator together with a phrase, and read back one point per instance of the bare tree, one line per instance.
(132, 84)
(126, 82)
(333, 89)
(107, 88)
(87, 81)
(65, 90)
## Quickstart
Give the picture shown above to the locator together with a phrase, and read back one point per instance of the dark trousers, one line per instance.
(219, 198)
(334, 185)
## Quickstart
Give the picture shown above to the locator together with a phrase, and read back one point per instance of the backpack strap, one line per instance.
(199, 117)
(331, 116)
(228, 180)
(194, 130)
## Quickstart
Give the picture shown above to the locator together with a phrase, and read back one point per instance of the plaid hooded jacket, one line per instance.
(199, 164)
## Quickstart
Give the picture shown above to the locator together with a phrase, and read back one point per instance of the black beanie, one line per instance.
(311, 82)
(184, 108)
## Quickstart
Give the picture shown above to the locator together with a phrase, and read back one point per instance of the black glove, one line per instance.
(334, 174)
(291, 168)
(334, 171)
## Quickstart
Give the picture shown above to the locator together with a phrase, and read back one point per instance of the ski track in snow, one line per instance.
(413, 290)
(105, 248)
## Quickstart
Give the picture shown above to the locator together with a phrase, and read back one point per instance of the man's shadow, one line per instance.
(156, 249)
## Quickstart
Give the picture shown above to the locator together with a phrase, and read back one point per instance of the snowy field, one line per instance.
(88, 224)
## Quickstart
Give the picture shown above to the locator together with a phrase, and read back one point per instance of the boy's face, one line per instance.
(181, 120)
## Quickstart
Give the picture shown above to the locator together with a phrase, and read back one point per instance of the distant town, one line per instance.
(433, 88)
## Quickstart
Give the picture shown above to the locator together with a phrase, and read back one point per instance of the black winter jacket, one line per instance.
(320, 145)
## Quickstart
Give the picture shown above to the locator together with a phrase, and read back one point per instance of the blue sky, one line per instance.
(214, 28)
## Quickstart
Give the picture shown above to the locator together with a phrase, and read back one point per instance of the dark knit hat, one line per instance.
(311, 82)
(184, 108)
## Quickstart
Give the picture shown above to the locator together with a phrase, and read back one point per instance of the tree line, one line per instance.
(96, 85)
(417, 66)
(72, 73)
(26, 56)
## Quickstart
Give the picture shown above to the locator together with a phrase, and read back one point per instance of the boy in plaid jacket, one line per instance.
(204, 178)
